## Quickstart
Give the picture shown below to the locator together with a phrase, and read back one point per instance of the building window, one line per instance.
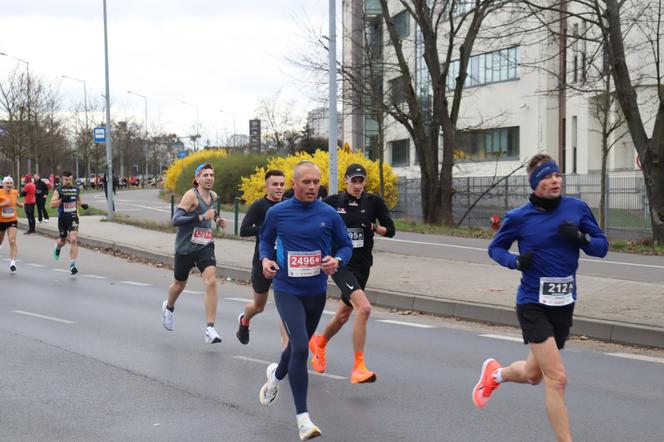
(462, 7)
(489, 144)
(400, 152)
(397, 90)
(372, 7)
(402, 24)
(492, 67)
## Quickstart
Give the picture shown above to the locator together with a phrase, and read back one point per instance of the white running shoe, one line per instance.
(270, 390)
(167, 317)
(211, 336)
(307, 428)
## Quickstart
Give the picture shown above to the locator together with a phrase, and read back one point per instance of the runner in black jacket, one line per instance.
(359, 210)
(275, 181)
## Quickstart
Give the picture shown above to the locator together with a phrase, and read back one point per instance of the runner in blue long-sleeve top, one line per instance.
(549, 230)
(306, 231)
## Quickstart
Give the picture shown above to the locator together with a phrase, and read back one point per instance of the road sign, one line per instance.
(100, 134)
(182, 154)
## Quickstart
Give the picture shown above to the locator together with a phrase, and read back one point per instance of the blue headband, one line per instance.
(199, 168)
(541, 171)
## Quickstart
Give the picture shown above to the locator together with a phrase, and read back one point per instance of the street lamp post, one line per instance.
(87, 127)
(234, 129)
(109, 143)
(18, 156)
(332, 77)
(196, 135)
(146, 131)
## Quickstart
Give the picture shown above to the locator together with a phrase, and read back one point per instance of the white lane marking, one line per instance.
(329, 312)
(192, 292)
(260, 361)
(138, 284)
(454, 246)
(637, 357)
(31, 264)
(61, 270)
(238, 299)
(484, 249)
(408, 324)
(36, 315)
(94, 276)
(502, 337)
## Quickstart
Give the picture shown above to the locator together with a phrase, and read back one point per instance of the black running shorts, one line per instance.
(5, 226)
(66, 225)
(349, 279)
(202, 259)
(259, 282)
(540, 322)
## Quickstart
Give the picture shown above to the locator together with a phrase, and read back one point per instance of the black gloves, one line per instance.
(524, 261)
(85, 206)
(570, 232)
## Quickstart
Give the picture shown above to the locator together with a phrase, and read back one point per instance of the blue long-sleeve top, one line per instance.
(536, 230)
(303, 227)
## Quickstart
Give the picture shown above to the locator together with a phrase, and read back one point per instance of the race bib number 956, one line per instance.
(303, 264)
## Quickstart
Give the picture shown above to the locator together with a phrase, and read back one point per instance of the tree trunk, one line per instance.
(446, 177)
(653, 172)
(602, 187)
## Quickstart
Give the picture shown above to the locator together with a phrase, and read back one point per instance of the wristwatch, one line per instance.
(340, 262)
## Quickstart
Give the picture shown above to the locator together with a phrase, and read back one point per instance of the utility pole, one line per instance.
(109, 143)
(332, 142)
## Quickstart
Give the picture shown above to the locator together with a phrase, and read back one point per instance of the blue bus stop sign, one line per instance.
(182, 154)
(100, 134)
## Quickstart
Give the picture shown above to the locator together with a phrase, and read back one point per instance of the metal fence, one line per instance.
(628, 216)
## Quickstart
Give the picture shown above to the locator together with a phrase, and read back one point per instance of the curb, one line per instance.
(604, 330)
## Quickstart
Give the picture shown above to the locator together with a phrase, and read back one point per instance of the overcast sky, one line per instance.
(217, 54)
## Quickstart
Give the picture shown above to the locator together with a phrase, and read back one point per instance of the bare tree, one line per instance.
(631, 33)
(280, 123)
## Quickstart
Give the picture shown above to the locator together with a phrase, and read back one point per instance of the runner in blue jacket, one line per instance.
(306, 232)
(550, 230)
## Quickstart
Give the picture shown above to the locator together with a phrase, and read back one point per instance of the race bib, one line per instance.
(201, 236)
(304, 264)
(8, 212)
(356, 236)
(69, 207)
(556, 291)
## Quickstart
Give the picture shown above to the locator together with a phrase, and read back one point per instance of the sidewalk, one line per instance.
(609, 309)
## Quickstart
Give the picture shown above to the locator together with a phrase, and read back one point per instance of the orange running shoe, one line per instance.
(361, 374)
(318, 362)
(487, 384)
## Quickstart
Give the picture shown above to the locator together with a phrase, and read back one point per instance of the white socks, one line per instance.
(498, 376)
(303, 419)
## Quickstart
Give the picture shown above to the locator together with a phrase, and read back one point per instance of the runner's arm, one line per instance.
(599, 245)
(385, 220)
(268, 236)
(499, 249)
(55, 199)
(250, 226)
(342, 240)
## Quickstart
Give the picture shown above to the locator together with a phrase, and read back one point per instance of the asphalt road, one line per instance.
(146, 205)
(86, 358)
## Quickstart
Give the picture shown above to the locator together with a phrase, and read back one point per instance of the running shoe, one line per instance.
(487, 383)
(73, 269)
(361, 374)
(270, 390)
(12, 268)
(307, 428)
(242, 331)
(318, 362)
(167, 317)
(211, 336)
(56, 253)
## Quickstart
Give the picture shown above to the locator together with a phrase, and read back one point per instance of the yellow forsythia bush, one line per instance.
(174, 171)
(253, 187)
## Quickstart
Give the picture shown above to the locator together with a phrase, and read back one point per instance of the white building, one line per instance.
(511, 109)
